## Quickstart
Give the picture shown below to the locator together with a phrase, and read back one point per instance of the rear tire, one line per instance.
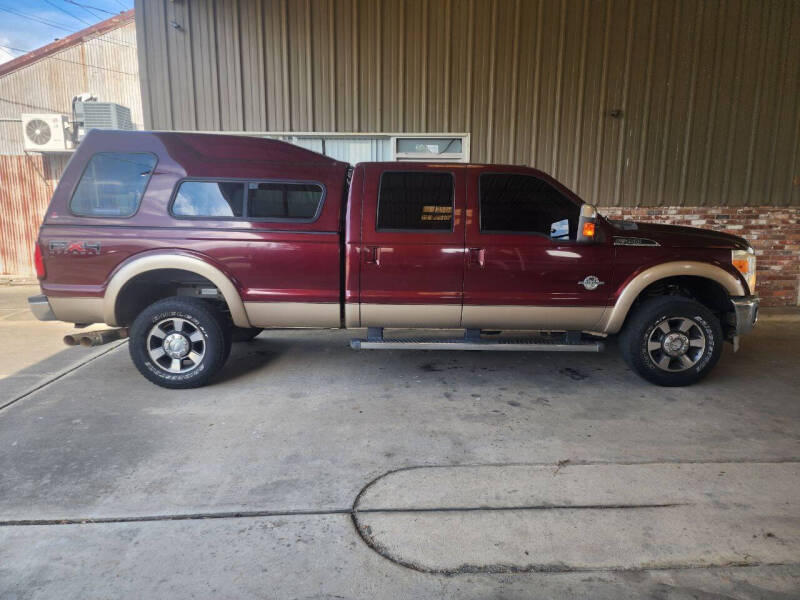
(179, 342)
(671, 341)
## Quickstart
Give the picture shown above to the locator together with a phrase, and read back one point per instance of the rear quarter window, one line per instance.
(216, 199)
(290, 201)
(112, 184)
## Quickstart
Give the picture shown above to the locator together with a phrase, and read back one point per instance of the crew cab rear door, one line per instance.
(412, 250)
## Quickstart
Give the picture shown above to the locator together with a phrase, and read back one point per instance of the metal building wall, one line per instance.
(630, 102)
(106, 66)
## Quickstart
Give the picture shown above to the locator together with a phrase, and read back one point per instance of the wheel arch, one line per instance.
(633, 289)
(142, 265)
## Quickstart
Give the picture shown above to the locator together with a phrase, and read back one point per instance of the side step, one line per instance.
(570, 342)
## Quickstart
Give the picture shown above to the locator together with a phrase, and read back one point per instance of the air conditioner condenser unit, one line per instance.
(46, 133)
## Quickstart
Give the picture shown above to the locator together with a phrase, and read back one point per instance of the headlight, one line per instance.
(745, 263)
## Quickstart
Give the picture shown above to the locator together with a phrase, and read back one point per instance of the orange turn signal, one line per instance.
(741, 265)
(588, 230)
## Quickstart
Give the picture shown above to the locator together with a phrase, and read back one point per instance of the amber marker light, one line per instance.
(588, 230)
(744, 261)
(741, 265)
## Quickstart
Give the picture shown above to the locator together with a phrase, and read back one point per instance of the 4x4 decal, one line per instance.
(76, 248)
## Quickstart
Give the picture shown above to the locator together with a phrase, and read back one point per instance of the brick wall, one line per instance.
(773, 232)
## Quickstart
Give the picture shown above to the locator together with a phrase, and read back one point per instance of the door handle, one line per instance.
(477, 256)
(372, 255)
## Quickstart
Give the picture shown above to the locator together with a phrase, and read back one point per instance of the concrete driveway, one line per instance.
(309, 470)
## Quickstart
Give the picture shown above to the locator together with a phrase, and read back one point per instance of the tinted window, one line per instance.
(415, 200)
(209, 199)
(525, 204)
(283, 200)
(112, 184)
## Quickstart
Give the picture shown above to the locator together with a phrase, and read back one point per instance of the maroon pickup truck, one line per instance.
(189, 242)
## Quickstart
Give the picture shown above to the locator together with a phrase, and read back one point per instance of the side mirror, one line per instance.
(587, 224)
(560, 230)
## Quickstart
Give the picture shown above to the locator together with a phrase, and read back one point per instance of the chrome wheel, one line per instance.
(676, 344)
(176, 345)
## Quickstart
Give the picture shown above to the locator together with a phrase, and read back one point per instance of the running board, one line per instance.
(472, 342)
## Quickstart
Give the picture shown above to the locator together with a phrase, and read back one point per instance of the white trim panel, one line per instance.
(292, 314)
(352, 315)
(422, 316)
(557, 318)
(77, 310)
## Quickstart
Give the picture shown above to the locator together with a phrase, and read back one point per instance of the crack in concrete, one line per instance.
(441, 509)
(239, 514)
(563, 464)
(299, 513)
(365, 535)
(63, 373)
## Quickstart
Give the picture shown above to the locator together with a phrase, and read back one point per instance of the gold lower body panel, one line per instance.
(422, 316)
(292, 314)
(445, 316)
(77, 310)
(579, 318)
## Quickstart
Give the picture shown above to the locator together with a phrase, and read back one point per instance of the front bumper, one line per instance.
(746, 313)
(41, 309)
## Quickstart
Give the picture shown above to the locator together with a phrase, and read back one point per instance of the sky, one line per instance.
(30, 24)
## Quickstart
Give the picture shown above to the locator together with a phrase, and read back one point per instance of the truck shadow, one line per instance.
(248, 357)
(262, 353)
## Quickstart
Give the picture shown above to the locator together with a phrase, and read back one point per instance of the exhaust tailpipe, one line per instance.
(71, 340)
(96, 338)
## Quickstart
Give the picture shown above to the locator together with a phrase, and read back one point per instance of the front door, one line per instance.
(524, 268)
(412, 254)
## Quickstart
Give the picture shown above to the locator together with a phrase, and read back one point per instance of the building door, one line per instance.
(412, 253)
(524, 268)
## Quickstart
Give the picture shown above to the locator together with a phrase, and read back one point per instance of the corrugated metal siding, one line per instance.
(106, 66)
(27, 183)
(706, 91)
(347, 149)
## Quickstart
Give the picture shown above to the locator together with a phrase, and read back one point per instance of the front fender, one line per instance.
(614, 318)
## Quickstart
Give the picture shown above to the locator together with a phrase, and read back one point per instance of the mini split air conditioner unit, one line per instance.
(46, 133)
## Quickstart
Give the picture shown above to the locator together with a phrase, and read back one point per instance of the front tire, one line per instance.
(179, 343)
(671, 341)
